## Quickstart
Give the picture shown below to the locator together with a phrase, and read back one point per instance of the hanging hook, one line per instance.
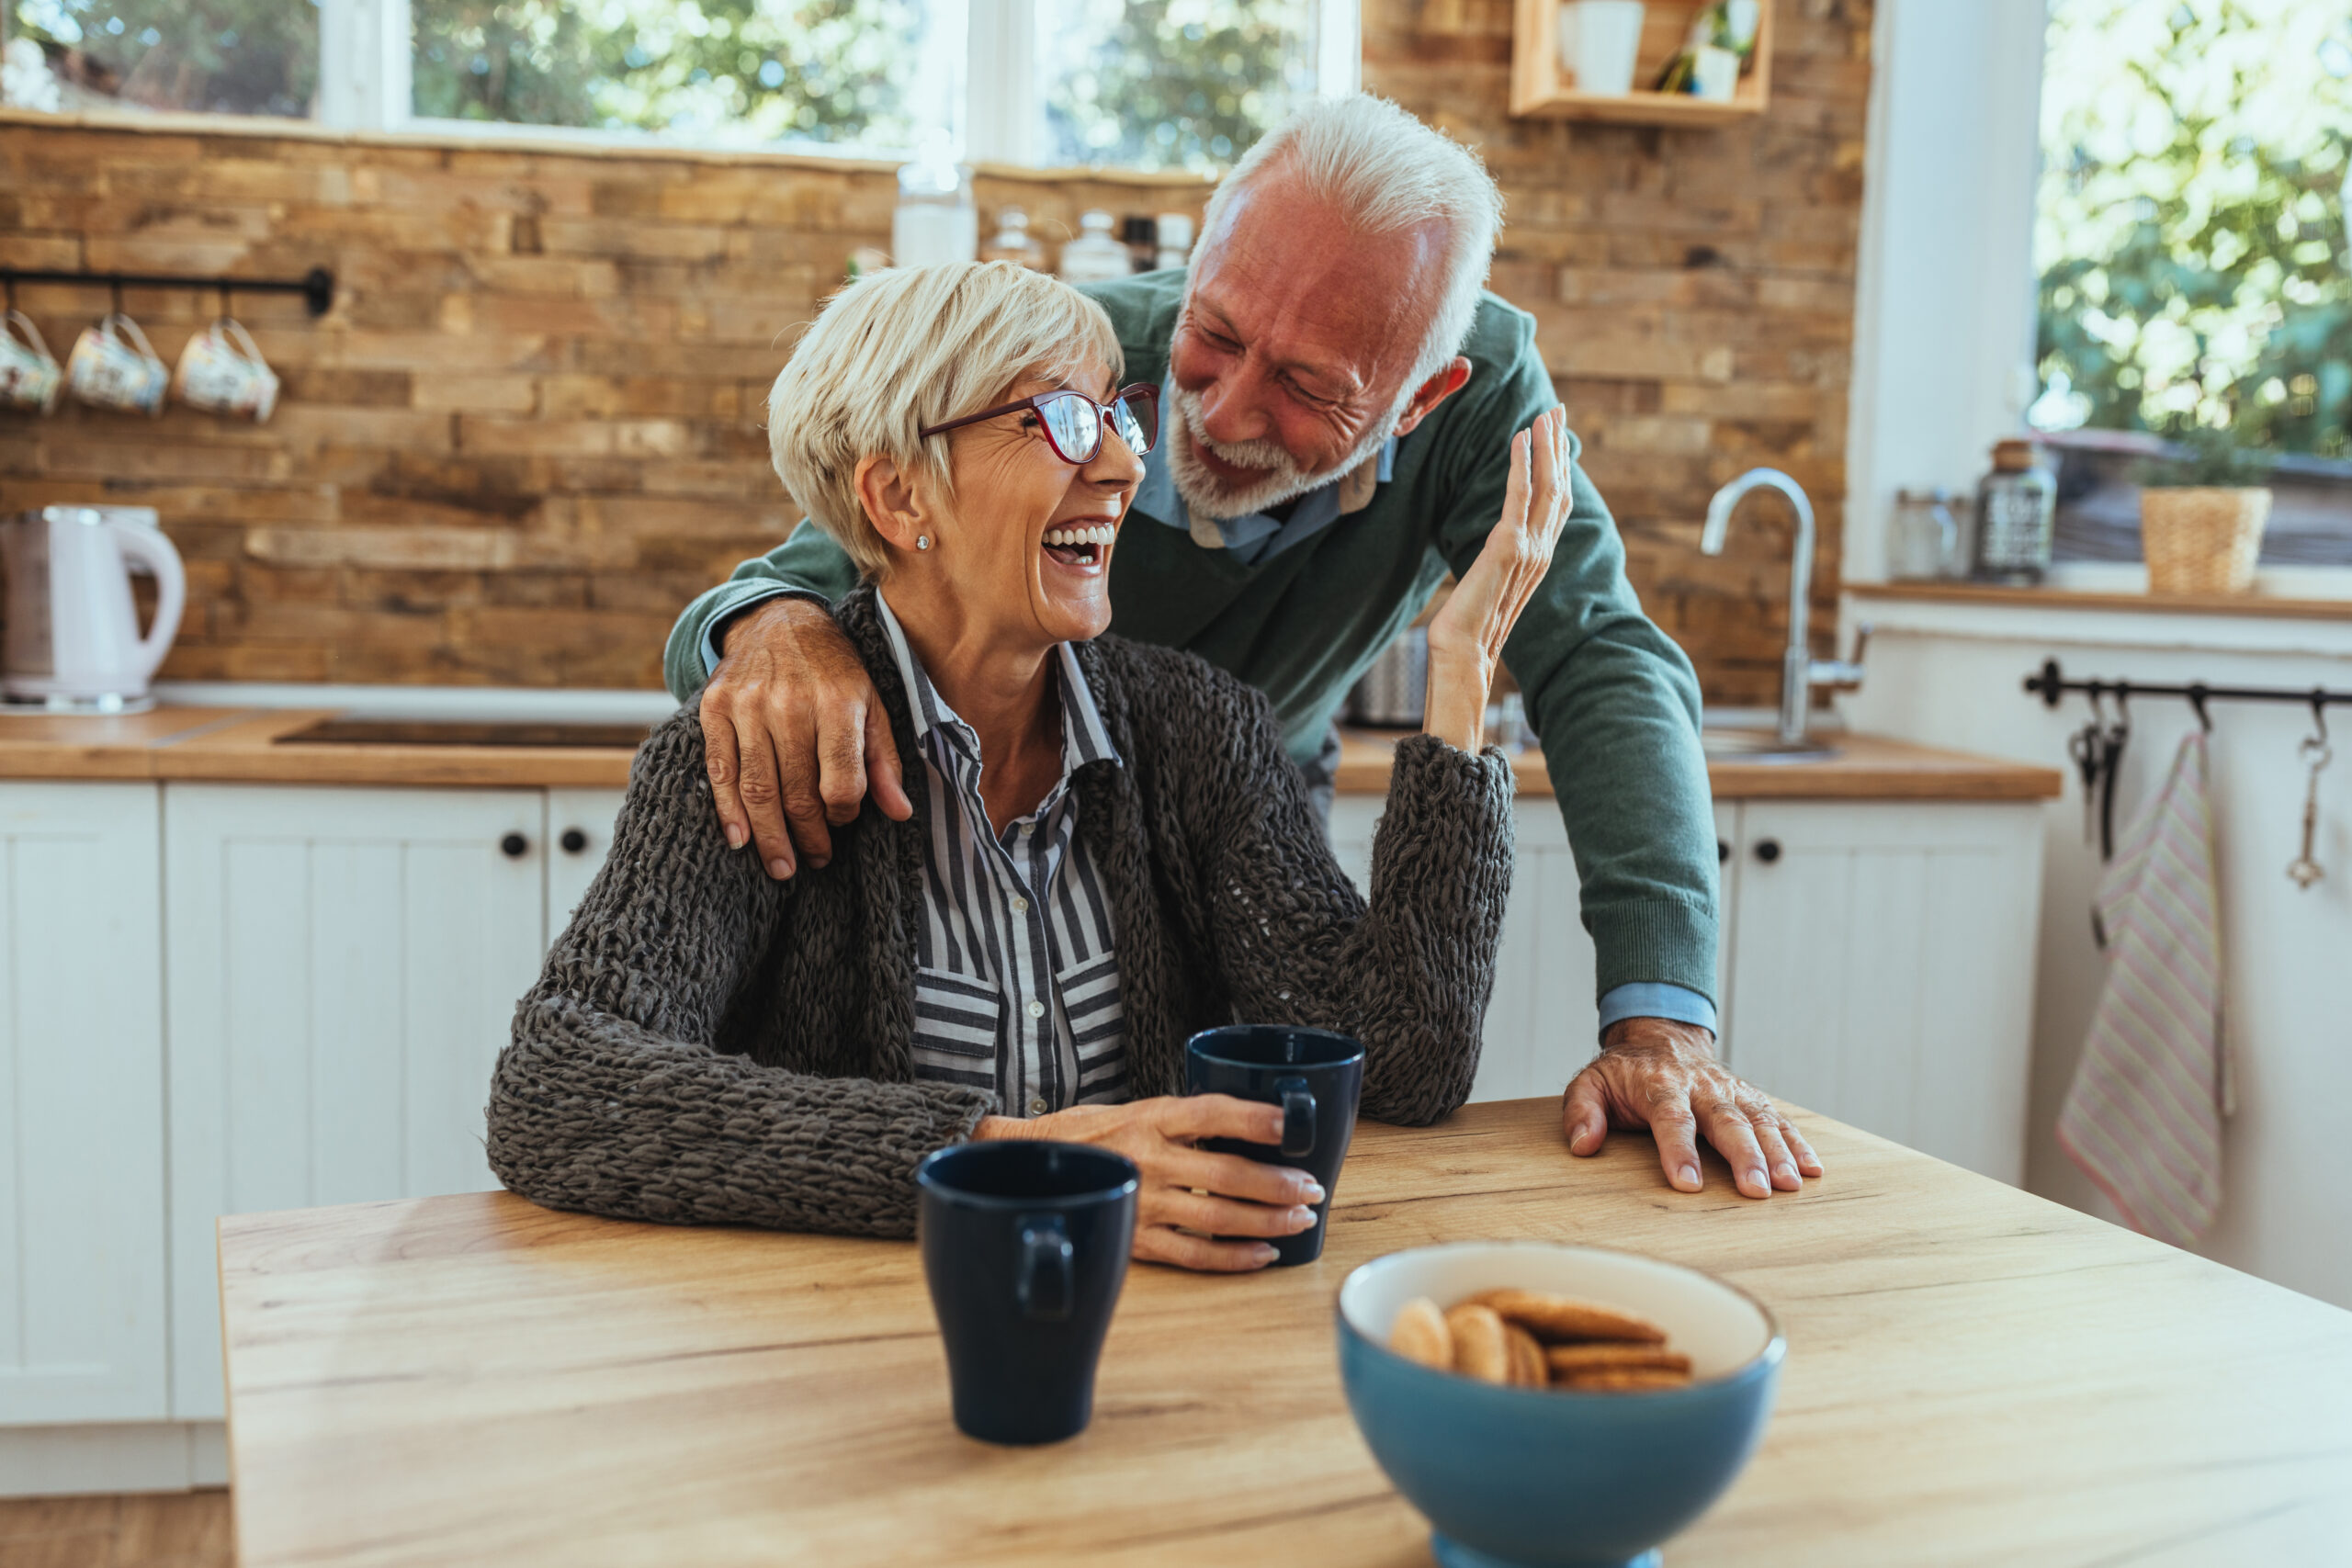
(2197, 702)
(225, 312)
(116, 283)
(12, 290)
(2319, 714)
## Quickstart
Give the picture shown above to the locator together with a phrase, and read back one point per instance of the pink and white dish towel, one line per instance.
(2144, 1118)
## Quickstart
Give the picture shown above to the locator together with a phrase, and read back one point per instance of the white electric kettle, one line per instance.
(73, 642)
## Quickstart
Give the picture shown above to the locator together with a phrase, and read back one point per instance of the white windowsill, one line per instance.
(561, 140)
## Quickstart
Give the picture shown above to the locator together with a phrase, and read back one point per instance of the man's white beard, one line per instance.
(1209, 496)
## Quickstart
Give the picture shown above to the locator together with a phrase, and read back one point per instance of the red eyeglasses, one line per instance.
(1074, 422)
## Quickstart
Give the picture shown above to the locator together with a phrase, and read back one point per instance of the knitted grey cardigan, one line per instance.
(709, 1044)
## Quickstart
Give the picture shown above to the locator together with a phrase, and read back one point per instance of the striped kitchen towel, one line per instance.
(2144, 1118)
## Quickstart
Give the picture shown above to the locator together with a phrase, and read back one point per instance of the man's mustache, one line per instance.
(1257, 455)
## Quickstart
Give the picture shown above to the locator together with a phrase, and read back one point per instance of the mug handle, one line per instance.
(30, 334)
(1298, 1117)
(1044, 1283)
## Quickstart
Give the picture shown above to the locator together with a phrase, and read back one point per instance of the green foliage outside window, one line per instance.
(736, 71)
(2196, 269)
(1169, 84)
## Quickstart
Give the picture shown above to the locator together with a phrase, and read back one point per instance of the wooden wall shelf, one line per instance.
(1540, 88)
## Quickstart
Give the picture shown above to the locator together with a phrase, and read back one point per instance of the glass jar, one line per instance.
(935, 221)
(1094, 257)
(1923, 537)
(2017, 514)
(1011, 240)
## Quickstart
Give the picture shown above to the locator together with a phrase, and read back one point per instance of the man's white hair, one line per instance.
(1384, 170)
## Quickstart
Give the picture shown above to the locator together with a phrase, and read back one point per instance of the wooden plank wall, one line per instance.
(529, 430)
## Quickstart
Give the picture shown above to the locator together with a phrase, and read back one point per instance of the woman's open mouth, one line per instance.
(1081, 546)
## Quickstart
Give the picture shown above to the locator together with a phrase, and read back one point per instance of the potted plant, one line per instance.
(2202, 512)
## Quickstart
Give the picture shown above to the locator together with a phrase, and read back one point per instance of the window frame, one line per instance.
(366, 60)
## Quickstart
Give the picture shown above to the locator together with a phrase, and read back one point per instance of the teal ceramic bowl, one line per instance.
(1534, 1478)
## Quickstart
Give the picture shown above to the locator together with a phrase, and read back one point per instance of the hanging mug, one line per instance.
(30, 376)
(221, 370)
(107, 372)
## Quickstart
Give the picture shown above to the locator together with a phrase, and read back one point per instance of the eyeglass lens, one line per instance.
(1075, 424)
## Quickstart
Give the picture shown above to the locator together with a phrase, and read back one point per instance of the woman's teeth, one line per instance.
(1102, 534)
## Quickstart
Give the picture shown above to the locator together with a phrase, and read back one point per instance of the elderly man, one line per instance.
(1340, 393)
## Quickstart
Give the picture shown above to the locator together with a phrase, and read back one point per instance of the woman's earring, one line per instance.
(922, 541)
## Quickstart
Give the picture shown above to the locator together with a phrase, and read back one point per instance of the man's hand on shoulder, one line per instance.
(794, 735)
(1655, 1073)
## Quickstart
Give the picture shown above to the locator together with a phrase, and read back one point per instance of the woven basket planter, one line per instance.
(2202, 541)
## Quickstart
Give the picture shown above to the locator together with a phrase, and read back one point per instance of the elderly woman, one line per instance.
(1105, 850)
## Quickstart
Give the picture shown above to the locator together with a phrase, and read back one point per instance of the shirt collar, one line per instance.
(1349, 493)
(1084, 738)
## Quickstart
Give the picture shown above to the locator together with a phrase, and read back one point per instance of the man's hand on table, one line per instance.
(794, 735)
(1655, 1073)
(1211, 1194)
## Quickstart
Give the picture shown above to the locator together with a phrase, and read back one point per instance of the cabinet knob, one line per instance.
(573, 840)
(1768, 851)
(514, 846)
(1722, 850)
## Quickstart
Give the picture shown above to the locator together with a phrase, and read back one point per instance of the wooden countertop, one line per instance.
(1863, 768)
(242, 745)
(1974, 1375)
(2075, 598)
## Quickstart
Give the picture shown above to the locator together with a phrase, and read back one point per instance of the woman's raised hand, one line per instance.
(1216, 1195)
(1466, 636)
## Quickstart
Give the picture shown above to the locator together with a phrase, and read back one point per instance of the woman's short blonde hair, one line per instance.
(905, 348)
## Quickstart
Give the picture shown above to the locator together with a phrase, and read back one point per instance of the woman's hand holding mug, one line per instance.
(1466, 636)
(1212, 1194)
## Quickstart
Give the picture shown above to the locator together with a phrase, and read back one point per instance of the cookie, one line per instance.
(1553, 1319)
(1527, 1366)
(1479, 1349)
(1613, 1355)
(1420, 1335)
(1625, 1380)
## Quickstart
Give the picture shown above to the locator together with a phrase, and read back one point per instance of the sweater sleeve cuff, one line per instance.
(731, 604)
(1662, 942)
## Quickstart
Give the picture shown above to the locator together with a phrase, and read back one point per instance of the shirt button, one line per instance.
(1026, 827)
(1037, 1106)
(1037, 1010)
(1020, 904)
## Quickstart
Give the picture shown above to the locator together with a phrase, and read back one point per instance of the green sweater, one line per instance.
(1612, 698)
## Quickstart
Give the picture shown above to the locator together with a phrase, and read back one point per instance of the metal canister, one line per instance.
(1394, 690)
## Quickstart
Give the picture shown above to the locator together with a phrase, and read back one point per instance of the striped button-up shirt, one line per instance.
(1016, 984)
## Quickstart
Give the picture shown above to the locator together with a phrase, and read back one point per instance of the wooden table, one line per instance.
(1974, 1377)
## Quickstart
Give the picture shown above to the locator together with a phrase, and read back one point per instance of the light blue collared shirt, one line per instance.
(1256, 537)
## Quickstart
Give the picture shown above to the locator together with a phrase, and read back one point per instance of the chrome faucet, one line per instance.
(1800, 671)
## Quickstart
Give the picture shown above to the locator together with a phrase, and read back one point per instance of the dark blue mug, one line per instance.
(1025, 1247)
(1314, 1076)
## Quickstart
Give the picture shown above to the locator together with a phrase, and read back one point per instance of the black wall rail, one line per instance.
(2051, 685)
(316, 287)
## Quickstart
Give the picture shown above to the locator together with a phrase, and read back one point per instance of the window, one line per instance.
(1139, 84)
(2193, 243)
(210, 56)
(2191, 236)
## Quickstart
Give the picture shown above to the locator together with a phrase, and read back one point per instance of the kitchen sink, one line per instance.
(455, 732)
(1763, 746)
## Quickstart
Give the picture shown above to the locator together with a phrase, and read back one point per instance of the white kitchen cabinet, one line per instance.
(1543, 1023)
(579, 835)
(1883, 969)
(83, 1334)
(1875, 964)
(344, 964)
